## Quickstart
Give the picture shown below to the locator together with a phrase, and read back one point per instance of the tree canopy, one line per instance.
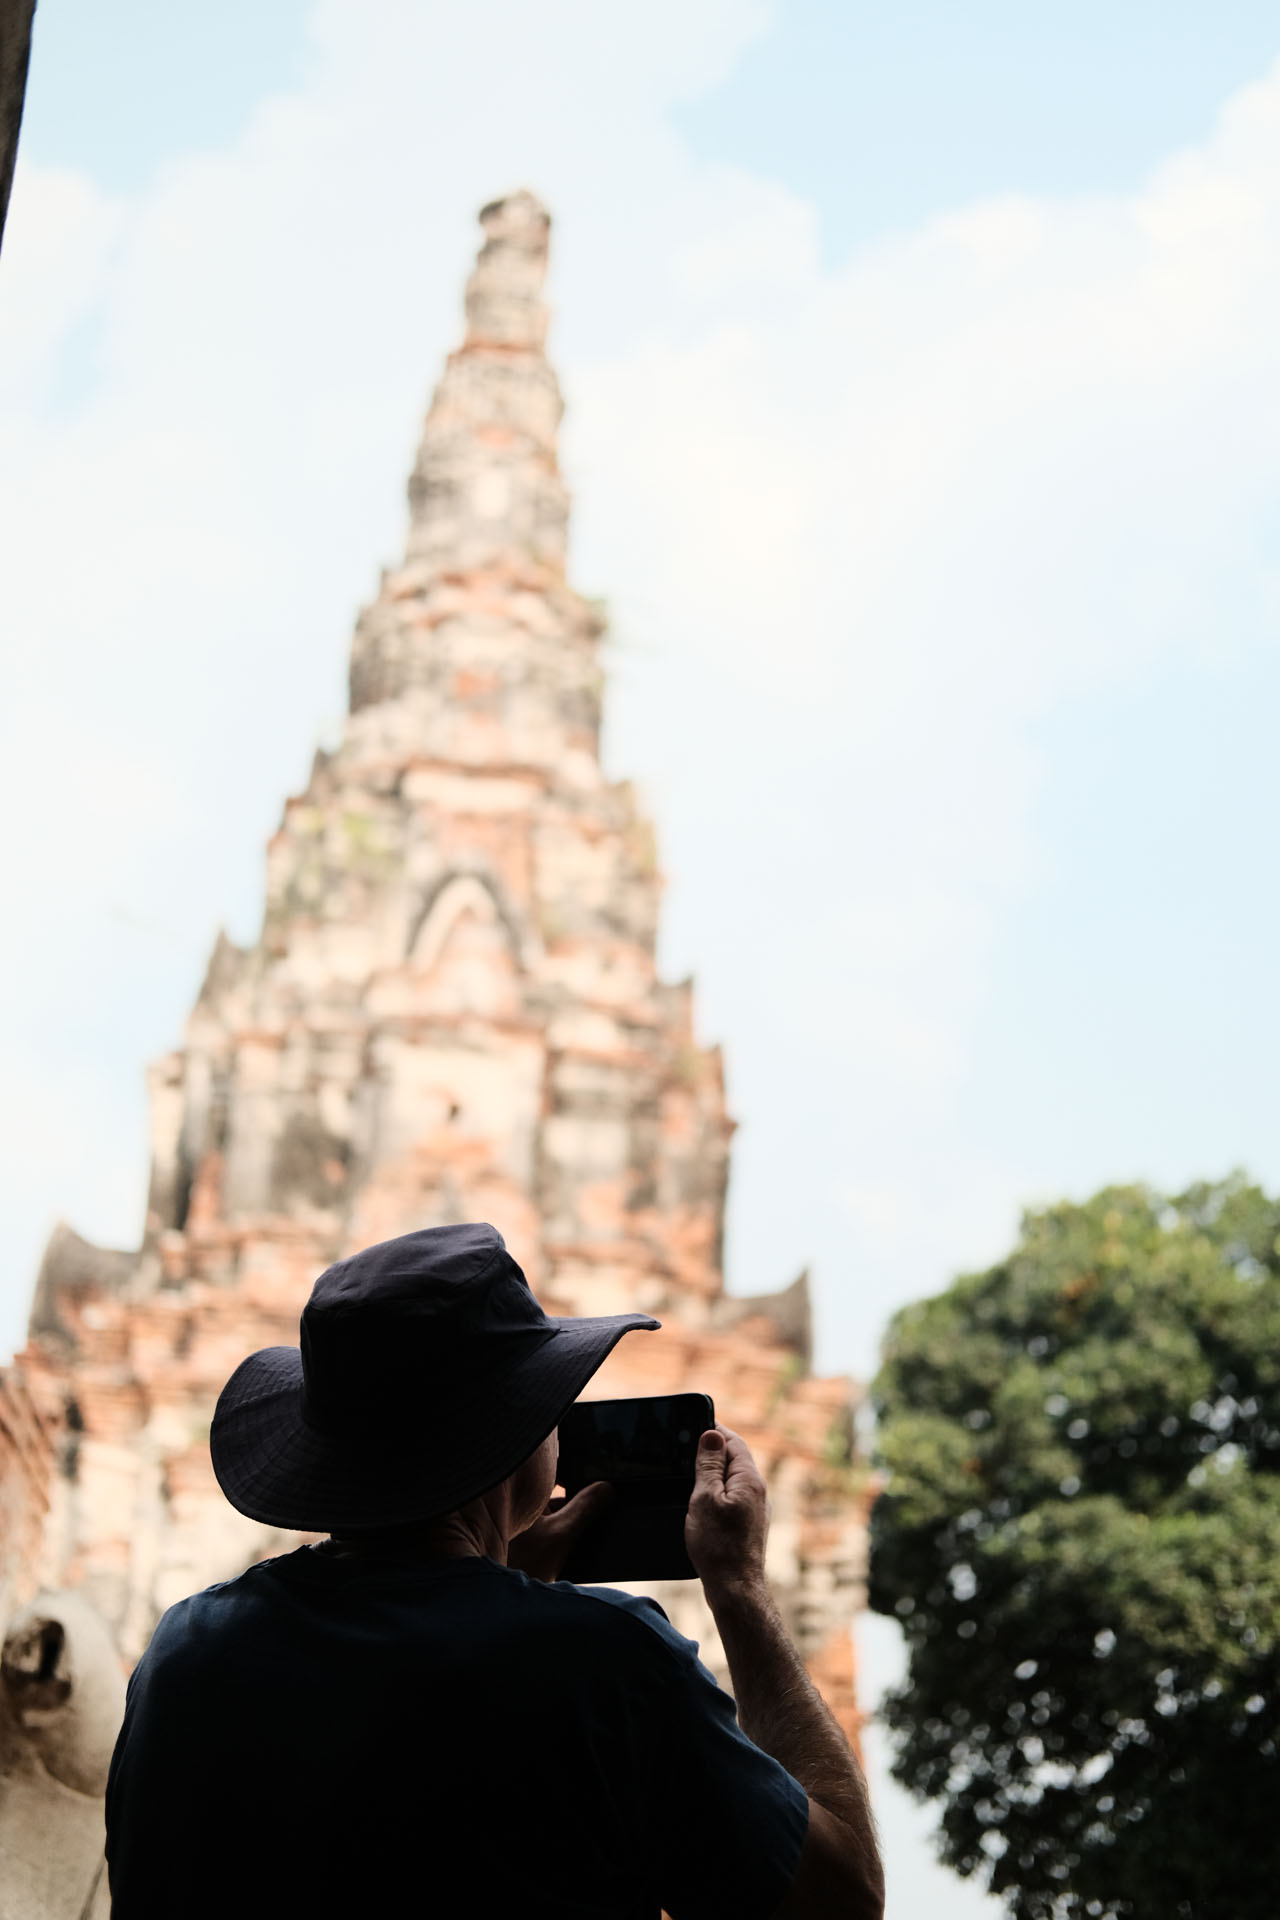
(1080, 1535)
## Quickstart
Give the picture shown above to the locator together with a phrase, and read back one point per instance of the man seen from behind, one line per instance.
(415, 1715)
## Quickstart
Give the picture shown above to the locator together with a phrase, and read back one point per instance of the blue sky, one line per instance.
(884, 115)
(923, 368)
(121, 92)
(880, 115)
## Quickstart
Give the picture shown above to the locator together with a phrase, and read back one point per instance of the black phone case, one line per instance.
(641, 1536)
(634, 1543)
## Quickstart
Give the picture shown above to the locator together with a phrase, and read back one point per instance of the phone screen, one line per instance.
(632, 1443)
(646, 1449)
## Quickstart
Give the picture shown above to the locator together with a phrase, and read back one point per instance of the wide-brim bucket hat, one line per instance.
(427, 1371)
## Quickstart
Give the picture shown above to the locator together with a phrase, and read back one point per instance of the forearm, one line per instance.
(782, 1711)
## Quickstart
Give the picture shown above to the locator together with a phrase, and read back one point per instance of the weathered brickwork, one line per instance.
(26, 1477)
(453, 1012)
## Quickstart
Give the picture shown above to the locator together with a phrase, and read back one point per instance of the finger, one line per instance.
(586, 1505)
(740, 1463)
(709, 1465)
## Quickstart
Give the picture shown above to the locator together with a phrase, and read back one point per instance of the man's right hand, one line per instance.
(728, 1519)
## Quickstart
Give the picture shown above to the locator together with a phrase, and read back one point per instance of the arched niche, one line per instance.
(464, 951)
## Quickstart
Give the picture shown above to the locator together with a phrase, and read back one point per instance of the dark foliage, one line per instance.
(1080, 1535)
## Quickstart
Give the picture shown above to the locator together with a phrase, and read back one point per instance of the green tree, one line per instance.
(1080, 1535)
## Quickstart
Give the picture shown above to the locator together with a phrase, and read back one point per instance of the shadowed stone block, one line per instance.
(61, 1703)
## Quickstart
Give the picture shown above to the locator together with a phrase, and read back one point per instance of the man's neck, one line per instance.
(473, 1532)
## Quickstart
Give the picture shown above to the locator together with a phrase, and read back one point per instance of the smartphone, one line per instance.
(646, 1450)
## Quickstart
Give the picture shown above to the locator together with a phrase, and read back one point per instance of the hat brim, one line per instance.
(278, 1470)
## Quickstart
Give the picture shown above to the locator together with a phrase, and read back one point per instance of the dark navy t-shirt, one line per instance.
(330, 1736)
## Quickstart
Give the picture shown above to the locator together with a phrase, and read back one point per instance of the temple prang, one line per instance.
(452, 1012)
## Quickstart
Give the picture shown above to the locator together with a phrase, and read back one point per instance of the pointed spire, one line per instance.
(504, 293)
(486, 489)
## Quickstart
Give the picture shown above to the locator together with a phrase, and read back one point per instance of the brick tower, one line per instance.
(452, 1012)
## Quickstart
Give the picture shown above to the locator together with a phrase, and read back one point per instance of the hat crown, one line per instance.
(393, 1330)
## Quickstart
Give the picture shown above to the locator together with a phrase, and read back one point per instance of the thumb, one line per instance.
(709, 1465)
(585, 1506)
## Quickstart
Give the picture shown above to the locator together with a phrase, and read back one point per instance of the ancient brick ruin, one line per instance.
(26, 1479)
(453, 1012)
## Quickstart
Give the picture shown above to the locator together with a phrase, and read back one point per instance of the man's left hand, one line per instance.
(542, 1549)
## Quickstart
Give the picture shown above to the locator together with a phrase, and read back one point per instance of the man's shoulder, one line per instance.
(628, 1618)
(623, 1626)
(189, 1623)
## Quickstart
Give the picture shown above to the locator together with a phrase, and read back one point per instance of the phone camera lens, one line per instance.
(684, 1435)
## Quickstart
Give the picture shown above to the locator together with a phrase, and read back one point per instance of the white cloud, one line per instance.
(56, 253)
(860, 530)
